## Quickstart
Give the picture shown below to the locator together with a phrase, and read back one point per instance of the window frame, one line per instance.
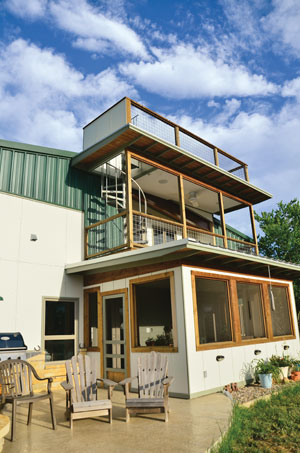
(133, 324)
(86, 318)
(234, 310)
(74, 336)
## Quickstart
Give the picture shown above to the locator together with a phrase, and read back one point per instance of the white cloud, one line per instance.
(92, 28)
(44, 100)
(292, 88)
(31, 9)
(184, 72)
(284, 21)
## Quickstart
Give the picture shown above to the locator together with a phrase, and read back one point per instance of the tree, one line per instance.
(281, 239)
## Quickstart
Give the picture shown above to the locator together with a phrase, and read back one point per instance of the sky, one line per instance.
(228, 70)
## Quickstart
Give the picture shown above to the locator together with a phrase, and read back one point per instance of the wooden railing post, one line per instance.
(128, 110)
(253, 229)
(221, 204)
(246, 172)
(129, 200)
(177, 139)
(216, 156)
(182, 206)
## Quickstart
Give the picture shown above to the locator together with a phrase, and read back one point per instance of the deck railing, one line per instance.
(170, 132)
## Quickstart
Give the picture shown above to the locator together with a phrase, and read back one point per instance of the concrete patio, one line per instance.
(194, 426)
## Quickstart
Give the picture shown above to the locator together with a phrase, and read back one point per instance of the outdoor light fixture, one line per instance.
(33, 237)
(192, 198)
(286, 347)
(219, 358)
(257, 351)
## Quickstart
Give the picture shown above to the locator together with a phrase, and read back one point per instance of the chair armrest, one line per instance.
(127, 380)
(168, 380)
(110, 384)
(107, 382)
(66, 386)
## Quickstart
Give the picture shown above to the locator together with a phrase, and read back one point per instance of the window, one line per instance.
(281, 322)
(213, 321)
(60, 329)
(91, 339)
(154, 312)
(250, 310)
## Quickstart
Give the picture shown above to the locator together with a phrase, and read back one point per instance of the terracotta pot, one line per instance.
(295, 375)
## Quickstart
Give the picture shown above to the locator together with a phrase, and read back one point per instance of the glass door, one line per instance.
(114, 338)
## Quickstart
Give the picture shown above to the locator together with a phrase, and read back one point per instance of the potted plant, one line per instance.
(284, 363)
(295, 374)
(150, 341)
(265, 371)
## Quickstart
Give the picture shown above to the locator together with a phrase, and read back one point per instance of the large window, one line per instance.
(213, 311)
(280, 312)
(250, 310)
(60, 329)
(91, 334)
(232, 311)
(153, 312)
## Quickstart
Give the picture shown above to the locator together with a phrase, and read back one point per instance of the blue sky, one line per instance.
(226, 69)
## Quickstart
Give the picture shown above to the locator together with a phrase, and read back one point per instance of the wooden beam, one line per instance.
(129, 200)
(177, 139)
(221, 204)
(216, 156)
(182, 206)
(253, 229)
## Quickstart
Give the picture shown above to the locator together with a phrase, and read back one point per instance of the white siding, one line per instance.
(31, 270)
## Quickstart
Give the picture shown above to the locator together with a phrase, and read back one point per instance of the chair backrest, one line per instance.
(152, 370)
(81, 373)
(16, 378)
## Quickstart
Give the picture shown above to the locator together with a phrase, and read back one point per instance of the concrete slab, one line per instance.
(194, 426)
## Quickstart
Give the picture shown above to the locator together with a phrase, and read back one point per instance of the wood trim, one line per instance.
(177, 138)
(246, 172)
(134, 327)
(234, 302)
(240, 241)
(223, 224)
(253, 229)
(182, 206)
(267, 309)
(129, 200)
(128, 110)
(188, 178)
(216, 156)
(108, 219)
(86, 292)
(116, 292)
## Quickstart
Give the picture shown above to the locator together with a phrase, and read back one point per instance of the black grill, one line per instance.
(12, 346)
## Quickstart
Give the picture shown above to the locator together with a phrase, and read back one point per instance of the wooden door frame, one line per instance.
(116, 292)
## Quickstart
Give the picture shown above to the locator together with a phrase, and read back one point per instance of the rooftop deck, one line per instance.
(194, 426)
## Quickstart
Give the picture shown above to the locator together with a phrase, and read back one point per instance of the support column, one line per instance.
(129, 200)
(221, 204)
(253, 229)
(182, 206)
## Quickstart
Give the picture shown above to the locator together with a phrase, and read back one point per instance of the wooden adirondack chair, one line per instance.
(16, 381)
(81, 388)
(153, 385)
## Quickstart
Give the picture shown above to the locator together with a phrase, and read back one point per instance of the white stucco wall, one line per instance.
(31, 270)
(205, 373)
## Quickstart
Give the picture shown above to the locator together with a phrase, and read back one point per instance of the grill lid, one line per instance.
(11, 341)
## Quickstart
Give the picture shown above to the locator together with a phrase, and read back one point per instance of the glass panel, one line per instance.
(59, 318)
(108, 349)
(114, 319)
(58, 350)
(250, 309)
(213, 311)
(109, 363)
(280, 311)
(93, 319)
(154, 314)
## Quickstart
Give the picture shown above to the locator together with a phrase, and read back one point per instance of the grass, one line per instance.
(267, 426)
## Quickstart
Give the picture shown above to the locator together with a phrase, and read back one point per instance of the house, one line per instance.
(134, 245)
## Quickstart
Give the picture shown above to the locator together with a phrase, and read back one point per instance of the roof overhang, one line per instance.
(188, 253)
(149, 146)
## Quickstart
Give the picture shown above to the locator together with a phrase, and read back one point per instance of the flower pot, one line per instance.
(284, 371)
(295, 375)
(265, 380)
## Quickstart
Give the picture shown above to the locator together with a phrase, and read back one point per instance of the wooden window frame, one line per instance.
(134, 336)
(234, 311)
(86, 318)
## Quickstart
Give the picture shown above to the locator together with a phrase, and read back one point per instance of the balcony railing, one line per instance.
(168, 131)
